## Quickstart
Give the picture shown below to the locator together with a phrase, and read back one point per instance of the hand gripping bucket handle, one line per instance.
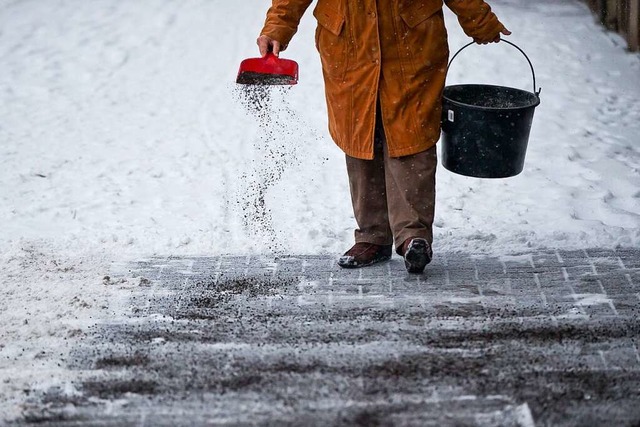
(533, 72)
(485, 128)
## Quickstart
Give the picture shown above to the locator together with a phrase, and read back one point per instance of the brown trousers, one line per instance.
(393, 198)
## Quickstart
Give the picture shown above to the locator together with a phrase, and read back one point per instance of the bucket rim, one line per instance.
(477, 107)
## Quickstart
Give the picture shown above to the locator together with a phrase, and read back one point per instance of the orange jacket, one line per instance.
(394, 50)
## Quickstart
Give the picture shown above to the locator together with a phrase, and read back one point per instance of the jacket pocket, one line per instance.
(415, 12)
(424, 35)
(332, 40)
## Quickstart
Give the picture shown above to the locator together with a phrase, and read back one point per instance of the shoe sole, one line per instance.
(417, 256)
(345, 263)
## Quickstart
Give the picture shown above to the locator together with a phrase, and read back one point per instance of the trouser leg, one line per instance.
(369, 195)
(411, 192)
(393, 198)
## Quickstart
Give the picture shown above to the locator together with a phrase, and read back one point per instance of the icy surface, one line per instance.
(123, 135)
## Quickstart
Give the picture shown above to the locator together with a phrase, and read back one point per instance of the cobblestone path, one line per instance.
(545, 338)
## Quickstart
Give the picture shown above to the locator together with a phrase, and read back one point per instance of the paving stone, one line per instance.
(629, 258)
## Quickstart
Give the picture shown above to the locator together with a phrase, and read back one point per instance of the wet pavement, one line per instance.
(542, 338)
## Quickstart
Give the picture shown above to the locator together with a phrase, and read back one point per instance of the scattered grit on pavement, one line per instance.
(546, 338)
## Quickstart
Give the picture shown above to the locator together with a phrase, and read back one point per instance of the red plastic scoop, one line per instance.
(269, 70)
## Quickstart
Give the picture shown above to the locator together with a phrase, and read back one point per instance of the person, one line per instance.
(384, 64)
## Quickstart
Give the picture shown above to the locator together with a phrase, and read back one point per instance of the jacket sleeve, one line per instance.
(476, 18)
(283, 18)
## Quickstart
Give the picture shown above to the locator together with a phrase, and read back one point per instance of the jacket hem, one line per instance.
(414, 149)
(405, 151)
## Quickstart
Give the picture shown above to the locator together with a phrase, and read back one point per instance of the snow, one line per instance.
(123, 136)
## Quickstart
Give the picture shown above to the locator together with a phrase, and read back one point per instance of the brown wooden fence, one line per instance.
(622, 16)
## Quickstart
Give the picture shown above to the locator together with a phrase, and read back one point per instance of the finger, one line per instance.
(263, 45)
(276, 47)
(506, 32)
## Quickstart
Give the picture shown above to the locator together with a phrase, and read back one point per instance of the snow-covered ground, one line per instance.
(122, 135)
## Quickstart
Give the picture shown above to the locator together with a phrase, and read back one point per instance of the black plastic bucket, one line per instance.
(485, 128)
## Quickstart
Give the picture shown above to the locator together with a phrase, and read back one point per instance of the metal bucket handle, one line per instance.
(537, 93)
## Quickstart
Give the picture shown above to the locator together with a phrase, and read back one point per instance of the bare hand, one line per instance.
(496, 39)
(504, 32)
(266, 44)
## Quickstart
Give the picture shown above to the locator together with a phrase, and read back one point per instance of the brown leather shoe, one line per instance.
(417, 254)
(363, 254)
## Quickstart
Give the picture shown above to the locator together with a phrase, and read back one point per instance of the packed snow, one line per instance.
(123, 135)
